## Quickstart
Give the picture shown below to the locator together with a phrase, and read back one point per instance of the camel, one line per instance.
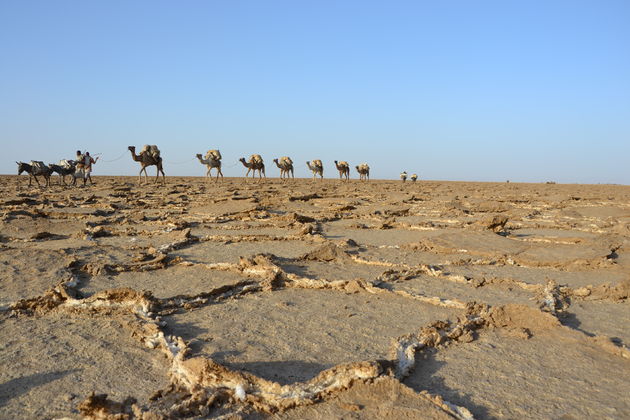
(403, 176)
(146, 158)
(34, 169)
(317, 167)
(413, 177)
(255, 164)
(286, 166)
(212, 160)
(63, 169)
(343, 168)
(364, 171)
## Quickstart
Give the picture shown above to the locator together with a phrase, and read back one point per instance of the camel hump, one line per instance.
(38, 164)
(286, 159)
(256, 158)
(214, 153)
(343, 163)
(317, 163)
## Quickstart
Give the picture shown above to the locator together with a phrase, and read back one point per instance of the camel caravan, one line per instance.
(150, 155)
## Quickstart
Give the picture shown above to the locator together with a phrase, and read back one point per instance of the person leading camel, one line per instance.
(88, 161)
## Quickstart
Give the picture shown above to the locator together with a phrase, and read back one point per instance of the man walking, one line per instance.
(88, 161)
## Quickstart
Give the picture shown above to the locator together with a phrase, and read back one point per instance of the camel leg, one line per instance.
(219, 173)
(140, 175)
(161, 169)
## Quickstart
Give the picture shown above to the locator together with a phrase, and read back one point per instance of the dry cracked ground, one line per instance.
(309, 299)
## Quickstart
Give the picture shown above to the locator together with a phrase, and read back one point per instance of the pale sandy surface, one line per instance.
(261, 299)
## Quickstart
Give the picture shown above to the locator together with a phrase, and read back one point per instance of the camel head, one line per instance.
(276, 161)
(242, 160)
(132, 149)
(357, 167)
(198, 155)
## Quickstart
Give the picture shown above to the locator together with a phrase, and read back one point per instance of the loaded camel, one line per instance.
(212, 160)
(343, 168)
(364, 171)
(35, 169)
(149, 156)
(254, 164)
(316, 167)
(403, 176)
(413, 177)
(286, 166)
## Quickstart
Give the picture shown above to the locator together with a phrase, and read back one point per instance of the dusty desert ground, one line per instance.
(308, 299)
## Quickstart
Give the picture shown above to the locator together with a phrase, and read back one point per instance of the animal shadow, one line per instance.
(15, 387)
(424, 378)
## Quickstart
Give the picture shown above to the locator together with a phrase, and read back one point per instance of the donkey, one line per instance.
(63, 170)
(34, 169)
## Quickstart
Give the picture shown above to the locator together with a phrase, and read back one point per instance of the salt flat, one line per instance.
(314, 299)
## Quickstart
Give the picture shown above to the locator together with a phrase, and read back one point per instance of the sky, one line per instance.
(526, 91)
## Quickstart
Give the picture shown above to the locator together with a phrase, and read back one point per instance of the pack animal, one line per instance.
(64, 168)
(211, 160)
(34, 169)
(149, 156)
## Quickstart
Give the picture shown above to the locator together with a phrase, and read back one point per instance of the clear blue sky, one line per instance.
(453, 90)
